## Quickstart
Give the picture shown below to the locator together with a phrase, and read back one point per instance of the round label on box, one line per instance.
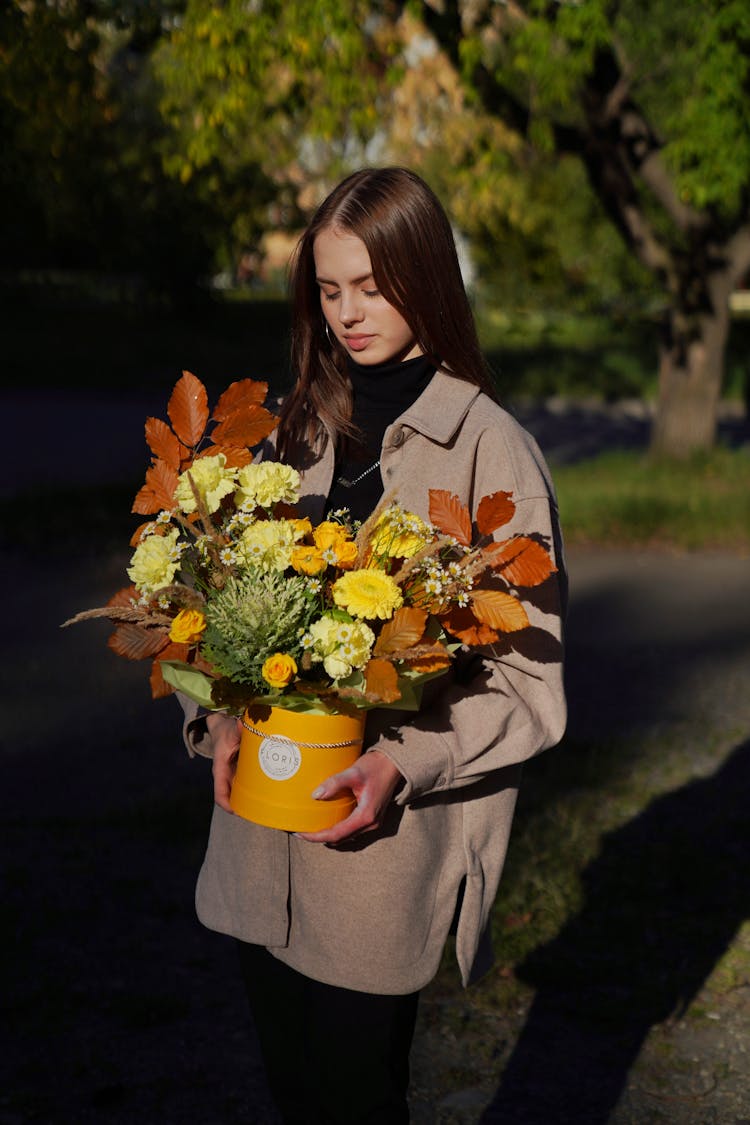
(279, 758)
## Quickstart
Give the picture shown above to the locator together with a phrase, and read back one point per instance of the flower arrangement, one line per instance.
(238, 600)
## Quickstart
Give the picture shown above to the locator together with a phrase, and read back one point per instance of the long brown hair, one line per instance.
(415, 267)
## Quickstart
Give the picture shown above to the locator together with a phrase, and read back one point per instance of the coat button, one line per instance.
(397, 439)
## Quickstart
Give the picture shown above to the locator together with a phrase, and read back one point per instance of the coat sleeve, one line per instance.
(505, 703)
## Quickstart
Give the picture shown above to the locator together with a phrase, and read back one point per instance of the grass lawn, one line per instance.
(629, 498)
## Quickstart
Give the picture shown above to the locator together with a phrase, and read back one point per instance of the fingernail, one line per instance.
(317, 793)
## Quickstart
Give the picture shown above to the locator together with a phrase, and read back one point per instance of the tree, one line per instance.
(649, 98)
(653, 99)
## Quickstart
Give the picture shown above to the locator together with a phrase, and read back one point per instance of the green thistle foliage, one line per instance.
(252, 618)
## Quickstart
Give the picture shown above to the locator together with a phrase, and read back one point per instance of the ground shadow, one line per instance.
(663, 901)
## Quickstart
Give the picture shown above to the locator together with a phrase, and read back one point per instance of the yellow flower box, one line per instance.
(284, 756)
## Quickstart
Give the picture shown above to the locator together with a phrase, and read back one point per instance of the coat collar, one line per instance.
(440, 409)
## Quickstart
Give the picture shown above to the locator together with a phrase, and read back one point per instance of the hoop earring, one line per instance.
(331, 339)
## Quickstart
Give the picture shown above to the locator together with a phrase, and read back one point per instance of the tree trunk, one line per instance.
(691, 367)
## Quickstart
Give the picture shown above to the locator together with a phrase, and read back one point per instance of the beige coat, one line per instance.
(374, 915)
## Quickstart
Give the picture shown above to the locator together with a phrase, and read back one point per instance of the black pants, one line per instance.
(332, 1056)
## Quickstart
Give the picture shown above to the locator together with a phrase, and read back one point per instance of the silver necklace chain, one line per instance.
(351, 483)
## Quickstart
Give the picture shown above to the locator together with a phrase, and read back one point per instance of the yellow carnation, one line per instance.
(279, 670)
(367, 593)
(155, 562)
(187, 627)
(212, 480)
(267, 483)
(268, 544)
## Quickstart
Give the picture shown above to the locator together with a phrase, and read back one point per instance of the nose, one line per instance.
(350, 308)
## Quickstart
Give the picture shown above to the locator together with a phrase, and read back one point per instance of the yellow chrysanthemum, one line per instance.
(368, 594)
(212, 480)
(155, 562)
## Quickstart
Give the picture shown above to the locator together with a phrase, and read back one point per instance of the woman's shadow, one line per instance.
(664, 900)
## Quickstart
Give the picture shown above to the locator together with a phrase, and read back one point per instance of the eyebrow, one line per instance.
(354, 281)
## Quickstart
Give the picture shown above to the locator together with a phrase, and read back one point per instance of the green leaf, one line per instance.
(196, 685)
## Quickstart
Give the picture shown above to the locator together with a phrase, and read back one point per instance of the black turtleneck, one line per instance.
(381, 392)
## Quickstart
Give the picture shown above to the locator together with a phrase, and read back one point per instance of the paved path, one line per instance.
(125, 1009)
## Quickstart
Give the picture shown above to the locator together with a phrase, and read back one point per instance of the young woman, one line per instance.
(339, 930)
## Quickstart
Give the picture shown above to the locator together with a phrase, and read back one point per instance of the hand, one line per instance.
(225, 735)
(373, 779)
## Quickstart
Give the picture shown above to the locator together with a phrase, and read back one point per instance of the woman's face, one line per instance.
(370, 329)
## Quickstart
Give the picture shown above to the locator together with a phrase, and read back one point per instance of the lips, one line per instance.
(357, 343)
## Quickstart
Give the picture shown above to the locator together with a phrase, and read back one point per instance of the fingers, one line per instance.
(226, 747)
(373, 781)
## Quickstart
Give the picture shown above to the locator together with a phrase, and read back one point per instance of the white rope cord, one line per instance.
(296, 742)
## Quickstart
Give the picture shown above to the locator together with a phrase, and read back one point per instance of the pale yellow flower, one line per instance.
(212, 480)
(399, 534)
(279, 670)
(187, 627)
(367, 593)
(341, 646)
(267, 483)
(155, 562)
(268, 544)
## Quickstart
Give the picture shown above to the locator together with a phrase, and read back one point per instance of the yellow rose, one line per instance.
(308, 560)
(329, 534)
(279, 670)
(346, 554)
(187, 627)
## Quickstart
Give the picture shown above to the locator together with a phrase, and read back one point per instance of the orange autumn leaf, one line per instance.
(247, 426)
(462, 623)
(188, 409)
(135, 538)
(244, 392)
(494, 511)
(171, 651)
(160, 689)
(158, 491)
(381, 680)
(520, 561)
(498, 610)
(435, 661)
(403, 630)
(450, 516)
(164, 444)
(236, 456)
(135, 643)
